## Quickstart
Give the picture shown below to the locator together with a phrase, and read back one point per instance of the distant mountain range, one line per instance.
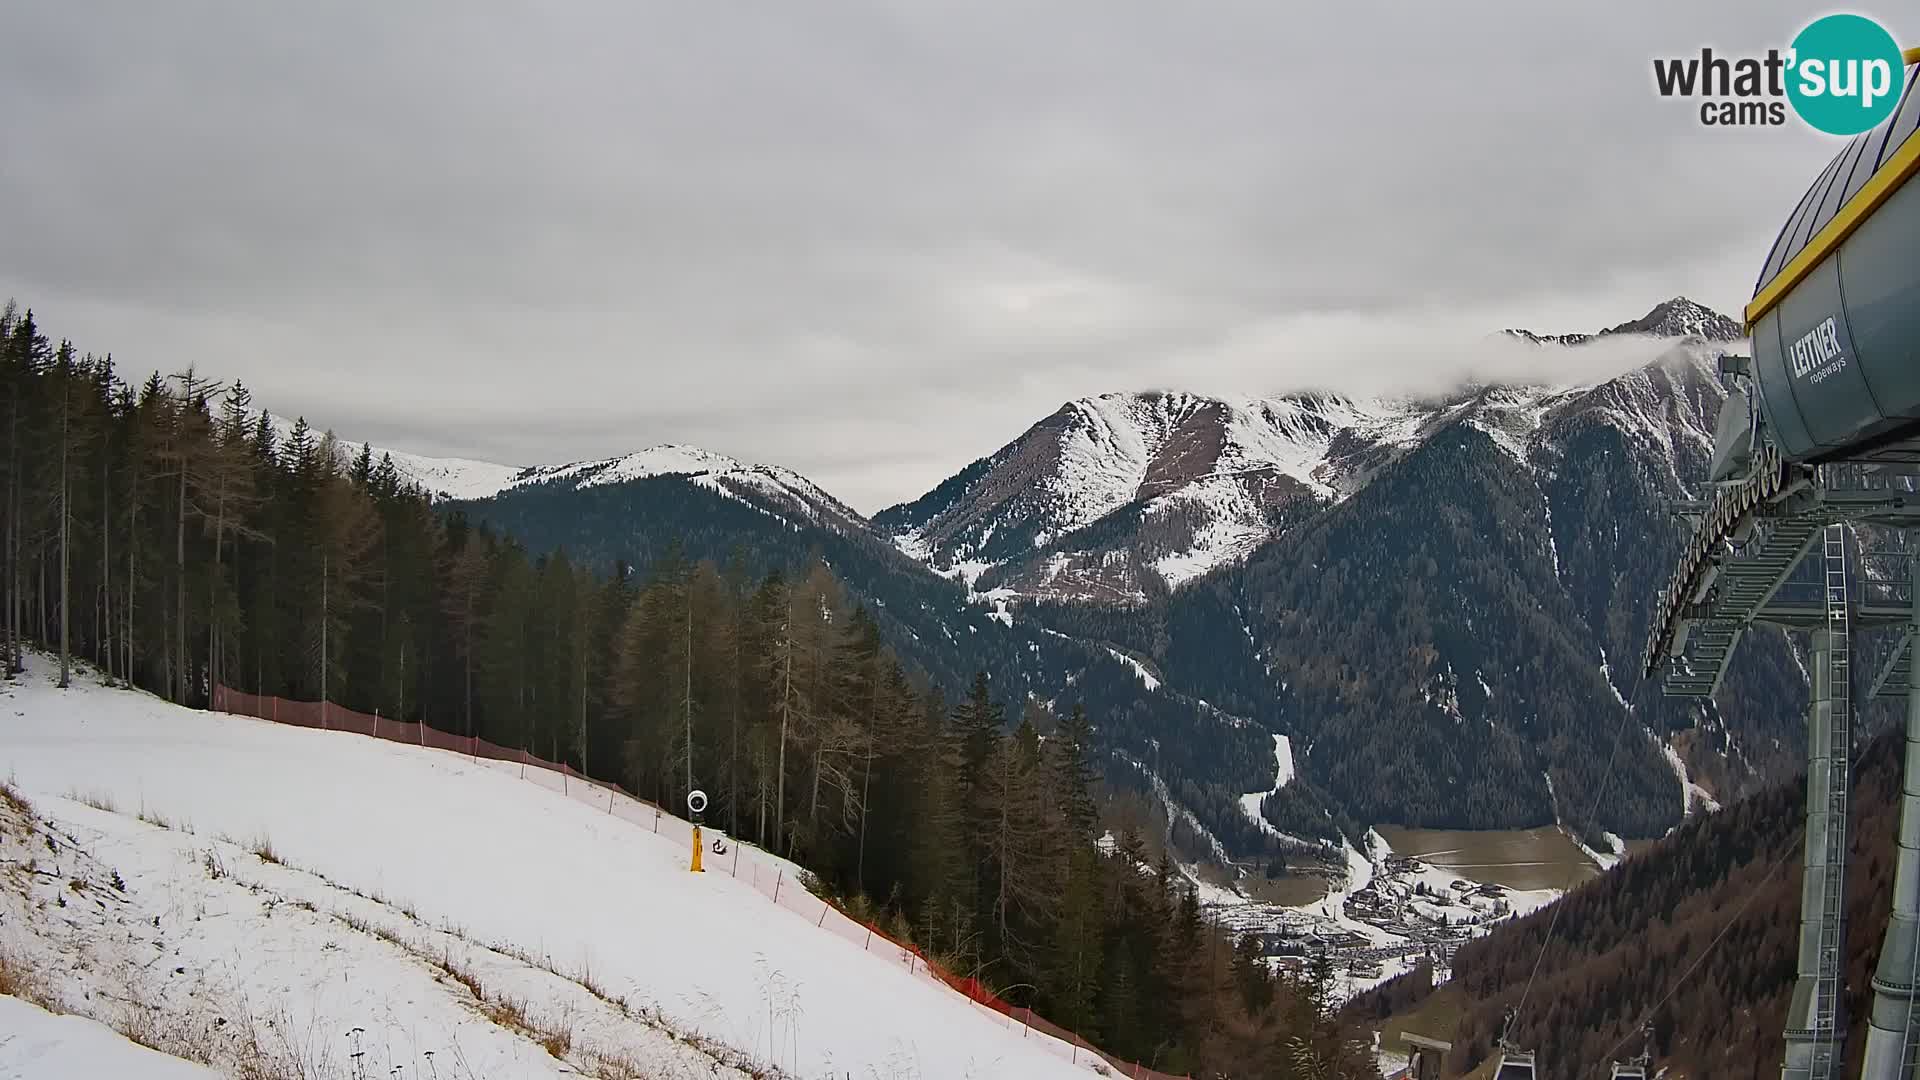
(1436, 600)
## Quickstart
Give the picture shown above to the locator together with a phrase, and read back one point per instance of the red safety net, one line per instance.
(765, 872)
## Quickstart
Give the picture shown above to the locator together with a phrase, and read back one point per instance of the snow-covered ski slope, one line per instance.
(576, 878)
(36, 1043)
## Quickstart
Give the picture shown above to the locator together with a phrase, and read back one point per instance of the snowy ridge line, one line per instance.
(768, 874)
(467, 479)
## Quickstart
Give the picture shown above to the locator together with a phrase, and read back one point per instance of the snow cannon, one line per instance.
(1835, 317)
(696, 806)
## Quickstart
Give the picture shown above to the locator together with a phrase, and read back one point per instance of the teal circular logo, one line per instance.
(1845, 75)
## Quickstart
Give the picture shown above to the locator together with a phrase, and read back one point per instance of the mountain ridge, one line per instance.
(451, 479)
(1154, 556)
(1126, 496)
(1679, 317)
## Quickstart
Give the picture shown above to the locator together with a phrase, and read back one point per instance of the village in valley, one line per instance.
(1391, 912)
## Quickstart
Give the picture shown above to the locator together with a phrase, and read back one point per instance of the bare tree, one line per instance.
(184, 449)
(65, 373)
(225, 479)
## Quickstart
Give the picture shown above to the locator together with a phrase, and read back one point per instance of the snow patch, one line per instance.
(1283, 774)
(1679, 767)
(1606, 672)
(40, 1043)
(1139, 668)
(1605, 860)
(1209, 894)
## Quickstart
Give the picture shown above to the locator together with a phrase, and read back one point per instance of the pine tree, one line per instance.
(506, 650)
(1024, 848)
(187, 449)
(225, 491)
(28, 354)
(465, 608)
(1073, 971)
(344, 529)
(1070, 751)
(74, 433)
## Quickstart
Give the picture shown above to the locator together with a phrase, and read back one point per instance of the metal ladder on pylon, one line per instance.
(1828, 988)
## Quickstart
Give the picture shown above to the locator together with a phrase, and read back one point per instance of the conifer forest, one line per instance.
(172, 535)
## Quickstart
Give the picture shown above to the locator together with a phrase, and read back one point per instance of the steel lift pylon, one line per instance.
(1751, 548)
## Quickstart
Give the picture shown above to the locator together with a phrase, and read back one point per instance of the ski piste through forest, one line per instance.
(166, 533)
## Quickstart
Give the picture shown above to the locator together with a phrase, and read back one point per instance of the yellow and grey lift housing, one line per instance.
(1835, 317)
(1834, 378)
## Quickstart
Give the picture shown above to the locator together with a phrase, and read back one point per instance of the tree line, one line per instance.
(178, 539)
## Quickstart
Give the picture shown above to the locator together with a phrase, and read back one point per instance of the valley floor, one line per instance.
(1421, 911)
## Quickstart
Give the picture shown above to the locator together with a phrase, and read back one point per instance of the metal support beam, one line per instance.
(1892, 1030)
(1893, 678)
(1815, 1027)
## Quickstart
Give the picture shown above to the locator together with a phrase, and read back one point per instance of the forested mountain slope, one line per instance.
(1441, 644)
(1631, 938)
(1426, 596)
(1205, 758)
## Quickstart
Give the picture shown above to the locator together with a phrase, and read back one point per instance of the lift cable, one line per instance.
(1779, 860)
(1553, 923)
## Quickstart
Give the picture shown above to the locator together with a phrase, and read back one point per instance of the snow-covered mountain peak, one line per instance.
(1117, 449)
(1675, 318)
(1193, 481)
(773, 488)
(1117, 496)
(1681, 317)
(667, 459)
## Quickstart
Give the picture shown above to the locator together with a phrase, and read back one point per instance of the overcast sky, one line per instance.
(870, 241)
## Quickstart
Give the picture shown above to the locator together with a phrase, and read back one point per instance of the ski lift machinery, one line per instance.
(1821, 432)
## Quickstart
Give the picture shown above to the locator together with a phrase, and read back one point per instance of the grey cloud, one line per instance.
(870, 241)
